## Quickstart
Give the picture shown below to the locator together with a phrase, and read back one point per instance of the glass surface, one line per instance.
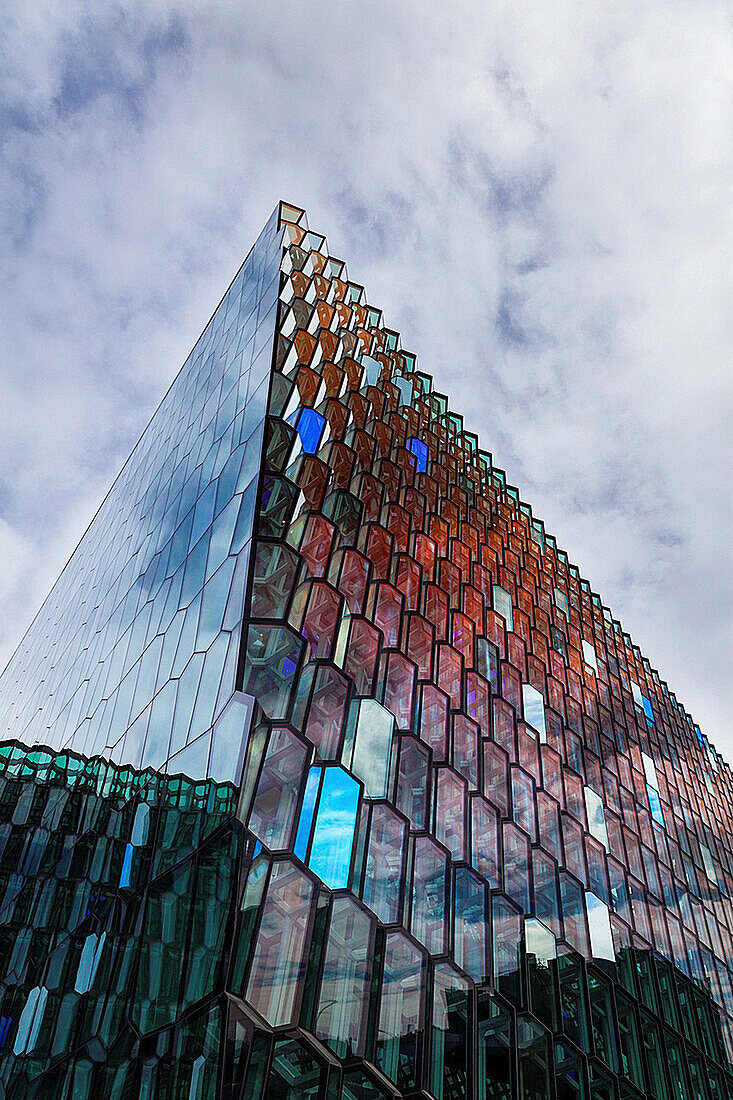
(589, 655)
(273, 809)
(145, 599)
(278, 964)
(495, 1050)
(401, 1012)
(429, 894)
(333, 833)
(534, 710)
(383, 876)
(599, 926)
(449, 1069)
(347, 968)
(596, 816)
(369, 744)
(470, 931)
(412, 785)
(502, 602)
(420, 451)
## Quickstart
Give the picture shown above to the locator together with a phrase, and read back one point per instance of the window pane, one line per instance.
(333, 835)
(273, 809)
(278, 966)
(400, 1014)
(368, 745)
(428, 894)
(383, 875)
(534, 710)
(449, 1050)
(346, 976)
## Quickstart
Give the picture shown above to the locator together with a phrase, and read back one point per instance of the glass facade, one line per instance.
(325, 774)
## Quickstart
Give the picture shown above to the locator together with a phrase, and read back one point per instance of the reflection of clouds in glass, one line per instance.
(599, 924)
(372, 747)
(333, 835)
(534, 709)
(596, 816)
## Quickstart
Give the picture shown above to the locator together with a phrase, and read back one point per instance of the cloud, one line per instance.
(537, 196)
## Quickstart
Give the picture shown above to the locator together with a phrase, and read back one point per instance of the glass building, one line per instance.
(325, 774)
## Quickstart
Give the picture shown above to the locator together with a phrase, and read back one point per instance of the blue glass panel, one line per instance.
(646, 703)
(655, 804)
(306, 813)
(333, 836)
(125, 874)
(88, 962)
(420, 451)
(310, 429)
(30, 1021)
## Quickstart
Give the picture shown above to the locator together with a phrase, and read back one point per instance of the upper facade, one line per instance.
(372, 796)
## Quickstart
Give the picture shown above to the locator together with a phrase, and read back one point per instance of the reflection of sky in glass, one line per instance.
(404, 385)
(650, 771)
(333, 836)
(656, 805)
(562, 602)
(601, 939)
(642, 701)
(372, 747)
(310, 429)
(372, 370)
(539, 941)
(589, 655)
(596, 816)
(503, 605)
(707, 861)
(134, 650)
(534, 710)
(306, 813)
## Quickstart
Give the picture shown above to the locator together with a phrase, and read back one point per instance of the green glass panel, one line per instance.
(535, 1060)
(495, 1069)
(449, 1068)
(602, 1020)
(400, 1027)
(654, 1057)
(343, 999)
(570, 1074)
(629, 1044)
(573, 1000)
(164, 934)
(296, 1074)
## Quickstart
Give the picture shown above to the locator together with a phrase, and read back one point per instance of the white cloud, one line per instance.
(536, 194)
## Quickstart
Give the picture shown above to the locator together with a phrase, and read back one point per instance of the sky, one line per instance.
(538, 195)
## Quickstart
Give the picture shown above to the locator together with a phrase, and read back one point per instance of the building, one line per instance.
(325, 774)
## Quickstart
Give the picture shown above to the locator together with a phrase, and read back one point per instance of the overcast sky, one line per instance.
(537, 194)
